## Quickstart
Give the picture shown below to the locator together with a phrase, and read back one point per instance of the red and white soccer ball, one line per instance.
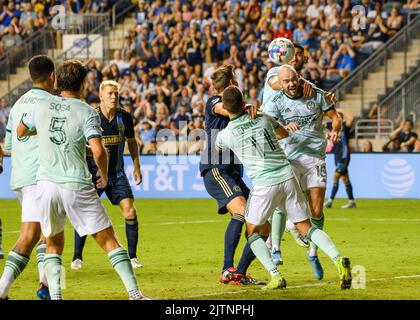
(281, 51)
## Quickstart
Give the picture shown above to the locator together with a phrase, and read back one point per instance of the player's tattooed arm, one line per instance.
(334, 134)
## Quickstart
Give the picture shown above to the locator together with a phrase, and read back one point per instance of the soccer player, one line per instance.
(1, 229)
(64, 125)
(341, 151)
(117, 128)
(255, 143)
(305, 149)
(222, 175)
(24, 162)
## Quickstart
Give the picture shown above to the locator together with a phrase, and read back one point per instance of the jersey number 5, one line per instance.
(58, 135)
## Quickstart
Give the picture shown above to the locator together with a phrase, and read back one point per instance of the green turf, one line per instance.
(182, 260)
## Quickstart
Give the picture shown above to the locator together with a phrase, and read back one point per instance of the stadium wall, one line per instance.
(374, 175)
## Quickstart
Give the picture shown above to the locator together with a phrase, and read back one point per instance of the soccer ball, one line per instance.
(281, 51)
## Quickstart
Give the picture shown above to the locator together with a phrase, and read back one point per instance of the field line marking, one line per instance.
(308, 285)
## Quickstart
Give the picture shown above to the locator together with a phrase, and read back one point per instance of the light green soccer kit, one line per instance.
(63, 180)
(268, 91)
(255, 144)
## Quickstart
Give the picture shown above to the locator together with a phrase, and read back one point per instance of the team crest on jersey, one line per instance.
(311, 106)
(236, 188)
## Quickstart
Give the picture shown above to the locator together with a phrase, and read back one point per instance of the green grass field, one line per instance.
(181, 247)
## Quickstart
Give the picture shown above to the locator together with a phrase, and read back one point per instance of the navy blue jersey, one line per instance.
(212, 158)
(114, 135)
(341, 149)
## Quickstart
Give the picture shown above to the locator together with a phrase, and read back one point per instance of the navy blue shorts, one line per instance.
(118, 189)
(341, 164)
(224, 187)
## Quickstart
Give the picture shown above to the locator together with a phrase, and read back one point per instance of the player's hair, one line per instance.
(233, 99)
(70, 76)
(109, 83)
(298, 46)
(40, 68)
(222, 76)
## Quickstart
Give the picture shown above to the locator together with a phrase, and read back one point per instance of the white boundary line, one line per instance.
(309, 285)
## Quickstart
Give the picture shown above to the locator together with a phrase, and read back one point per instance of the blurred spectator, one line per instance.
(367, 146)
(405, 135)
(417, 146)
(344, 60)
(394, 22)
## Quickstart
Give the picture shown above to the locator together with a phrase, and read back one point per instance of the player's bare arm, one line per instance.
(1, 159)
(101, 159)
(281, 132)
(23, 131)
(333, 135)
(134, 152)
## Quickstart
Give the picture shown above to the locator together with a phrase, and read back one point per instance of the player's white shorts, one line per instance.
(287, 196)
(83, 207)
(310, 171)
(27, 197)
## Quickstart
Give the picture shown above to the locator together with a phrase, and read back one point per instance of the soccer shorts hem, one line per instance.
(310, 171)
(27, 197)
(83, 208)
(286, 196)
(118, 189)
(224, 187)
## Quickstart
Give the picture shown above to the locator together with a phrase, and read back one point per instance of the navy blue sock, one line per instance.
(232, 236)
(334, 190)
(349, 190)
(132, 233)
(246, 259)
(79, 244)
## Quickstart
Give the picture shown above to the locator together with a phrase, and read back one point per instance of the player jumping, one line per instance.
(254, 142)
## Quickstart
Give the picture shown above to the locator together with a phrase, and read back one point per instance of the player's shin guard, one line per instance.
(40, 256)
(121, 263)
(132, 233)
(317, 223)
(15, 264)
(324, 242)
(52, 267)
(277, 229)
(79, 244)
(260, 250)
(232, 236)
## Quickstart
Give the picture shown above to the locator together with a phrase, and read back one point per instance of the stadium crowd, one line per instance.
(165, 64)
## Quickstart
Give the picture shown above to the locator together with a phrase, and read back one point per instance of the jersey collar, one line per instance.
(238, 116)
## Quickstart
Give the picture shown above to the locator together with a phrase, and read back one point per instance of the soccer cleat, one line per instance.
(300, 240)
(137, 295)
(328, 204)
(350, 204)
(276, 282)
(247, 280)
(76, 264)
(136, 263)
(317, 270)
(344, 271)
(1, 255)
(43, 293)
(276, 257)
(228, 275)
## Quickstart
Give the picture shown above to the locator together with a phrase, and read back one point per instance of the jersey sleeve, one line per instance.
(211, 103)
(272, 121)
(221, 141)
(8, 139)
(28, 120)
(129, 126)
(92, 127)
(272, 73)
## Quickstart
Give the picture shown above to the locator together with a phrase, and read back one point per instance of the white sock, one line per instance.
(5, 282)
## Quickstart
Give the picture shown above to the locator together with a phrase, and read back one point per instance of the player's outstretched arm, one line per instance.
(101, 159)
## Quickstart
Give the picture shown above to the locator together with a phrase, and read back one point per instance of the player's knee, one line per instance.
(130, 213)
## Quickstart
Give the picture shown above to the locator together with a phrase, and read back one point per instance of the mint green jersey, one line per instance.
(24, 151)
(268, 91)
(308, 113)
(63, 127)
(255, 144)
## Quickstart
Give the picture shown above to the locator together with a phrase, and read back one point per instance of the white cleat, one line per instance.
(76, 264)
(137, 295)
(301, 241)
(328, 204)
(350, 204)
(136, 263)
